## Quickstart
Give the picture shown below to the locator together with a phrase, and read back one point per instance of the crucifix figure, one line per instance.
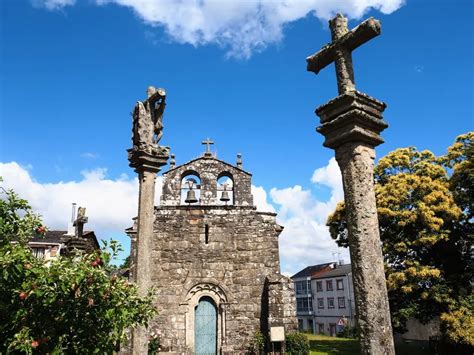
(208, 143)
(340, 50)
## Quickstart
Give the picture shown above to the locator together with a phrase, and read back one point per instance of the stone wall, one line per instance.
(209, 170)
(240, 254)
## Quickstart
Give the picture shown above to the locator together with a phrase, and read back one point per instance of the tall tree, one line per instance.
(70, 305)
(424, 205)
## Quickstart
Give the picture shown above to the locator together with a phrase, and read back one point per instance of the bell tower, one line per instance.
(215, 261)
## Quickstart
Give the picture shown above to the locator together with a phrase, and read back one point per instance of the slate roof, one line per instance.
(323, 271)
(61, 237)
(340, 270)
(311, 271)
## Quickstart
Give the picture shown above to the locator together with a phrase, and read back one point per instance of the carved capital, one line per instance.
(352, 117)
(150, 159)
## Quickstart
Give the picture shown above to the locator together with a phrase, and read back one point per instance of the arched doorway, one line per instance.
(205, 327)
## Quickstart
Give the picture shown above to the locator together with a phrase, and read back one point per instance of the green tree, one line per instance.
(424, 205)
(69, 305)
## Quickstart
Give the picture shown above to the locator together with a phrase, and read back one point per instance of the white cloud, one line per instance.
(260, 199)
(305, 239)
(111, 204)
(53, 4)
(89, 155)
(241, 27)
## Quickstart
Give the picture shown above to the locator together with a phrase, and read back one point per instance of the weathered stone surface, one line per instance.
(356, 163)
(147, 158)
(340, 50)
(351, 124)
(211, 170)
(236, 262)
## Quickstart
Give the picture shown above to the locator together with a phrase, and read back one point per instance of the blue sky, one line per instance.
(72, 71)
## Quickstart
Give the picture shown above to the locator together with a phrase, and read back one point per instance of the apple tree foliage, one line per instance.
(425, 211)
(69, 305)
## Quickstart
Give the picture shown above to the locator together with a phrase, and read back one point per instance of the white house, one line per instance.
(324, 298)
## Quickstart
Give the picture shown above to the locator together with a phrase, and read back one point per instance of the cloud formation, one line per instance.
(112, 203)
(305, 239)
(53, 4)
(241, 27)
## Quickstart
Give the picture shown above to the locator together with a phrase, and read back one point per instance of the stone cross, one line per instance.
(208, 143)
(340, 50)
(80, 221)
(351, 124)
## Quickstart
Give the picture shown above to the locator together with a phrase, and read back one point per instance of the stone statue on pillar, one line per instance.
(148, 123)
(146, 157)
(351, 124)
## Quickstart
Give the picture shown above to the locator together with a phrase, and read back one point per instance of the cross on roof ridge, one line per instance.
(208, 143)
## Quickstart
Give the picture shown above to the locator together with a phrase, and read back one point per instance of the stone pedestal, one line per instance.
(147, 164)
(351, 124)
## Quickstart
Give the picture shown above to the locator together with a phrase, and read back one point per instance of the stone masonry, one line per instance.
(228, 253)
(351, 124)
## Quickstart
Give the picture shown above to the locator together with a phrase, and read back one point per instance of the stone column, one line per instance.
(147, 165)
(351, 124)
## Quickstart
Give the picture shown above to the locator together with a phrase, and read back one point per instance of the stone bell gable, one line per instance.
(215, 264)
(209, 170)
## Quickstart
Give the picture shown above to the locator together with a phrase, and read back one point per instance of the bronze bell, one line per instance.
(225, 196)
(191, 197)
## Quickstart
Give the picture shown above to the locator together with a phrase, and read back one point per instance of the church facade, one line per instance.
(215, 262)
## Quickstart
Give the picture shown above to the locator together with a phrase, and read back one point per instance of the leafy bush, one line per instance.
(258, 343)
(297, 344)
(69, 305)
(349, 332)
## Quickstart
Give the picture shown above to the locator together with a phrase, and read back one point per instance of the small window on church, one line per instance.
(225, 190)
(190, 189)
(206, 234)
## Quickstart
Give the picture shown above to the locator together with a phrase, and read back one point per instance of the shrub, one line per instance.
(67, 305)
(258, 343)
(349, 332)
(297, 344)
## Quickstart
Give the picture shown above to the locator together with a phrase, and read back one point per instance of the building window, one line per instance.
(310, 326)
(300, 325)
(303, 287)
(340, 284)
(304, 305)
(319, 286)
(329, 285)
(38, 252)
(330, 302)
(320, 303)
(341, 302)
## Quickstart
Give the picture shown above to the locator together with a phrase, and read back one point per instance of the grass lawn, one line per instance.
(325, 345)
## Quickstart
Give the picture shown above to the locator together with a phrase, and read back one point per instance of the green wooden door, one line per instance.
(205, 327)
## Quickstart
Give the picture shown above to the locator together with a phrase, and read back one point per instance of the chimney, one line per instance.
(70, 225)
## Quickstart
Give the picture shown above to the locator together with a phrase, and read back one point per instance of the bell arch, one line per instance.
(193, 297)
(225, 188)
(190, 188)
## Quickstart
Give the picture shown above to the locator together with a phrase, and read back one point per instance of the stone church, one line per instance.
(215, 262)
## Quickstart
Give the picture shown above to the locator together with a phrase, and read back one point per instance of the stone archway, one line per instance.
(219, 298)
